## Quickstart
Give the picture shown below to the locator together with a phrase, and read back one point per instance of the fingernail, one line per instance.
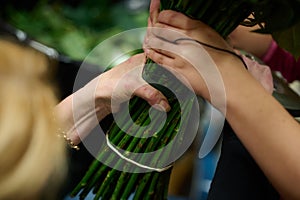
(146, 50)
(163, 105)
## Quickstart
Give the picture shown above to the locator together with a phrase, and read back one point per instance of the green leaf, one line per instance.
(75, 43)
(289, 39)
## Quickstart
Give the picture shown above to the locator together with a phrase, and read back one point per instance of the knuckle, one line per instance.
(152, 94)
(160, 60)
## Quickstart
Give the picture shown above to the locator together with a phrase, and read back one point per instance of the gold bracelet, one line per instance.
(69, 141)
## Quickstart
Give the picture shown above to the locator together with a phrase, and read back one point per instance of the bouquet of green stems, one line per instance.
(119, 181)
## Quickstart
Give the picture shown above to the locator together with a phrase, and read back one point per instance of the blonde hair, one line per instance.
(32, 156)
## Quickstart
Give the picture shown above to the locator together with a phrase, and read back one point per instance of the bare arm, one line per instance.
(243, 38)
(81, 111)
(269, 133)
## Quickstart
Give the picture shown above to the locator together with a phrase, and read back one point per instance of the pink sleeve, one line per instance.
(281, 60)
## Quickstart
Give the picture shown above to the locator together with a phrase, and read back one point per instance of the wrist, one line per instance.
(235, 78)
(79, 113)
(242, 89)
(102, 107)
(102, 98)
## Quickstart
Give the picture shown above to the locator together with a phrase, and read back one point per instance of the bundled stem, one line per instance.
(222, 15)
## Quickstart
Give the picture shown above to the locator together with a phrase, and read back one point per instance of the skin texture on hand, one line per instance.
(243, 38)
(168, 53)
(266, 129)
(153, 11)
(82, 111)
(169, 24)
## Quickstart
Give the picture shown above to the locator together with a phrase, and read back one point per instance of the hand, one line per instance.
(190, 27)
(81, 111)
(124, 81)
(186, 56)
(153, 11)
(243, 38)
(166, 37)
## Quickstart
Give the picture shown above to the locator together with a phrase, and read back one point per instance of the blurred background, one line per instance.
(67, 31)
(74, 27)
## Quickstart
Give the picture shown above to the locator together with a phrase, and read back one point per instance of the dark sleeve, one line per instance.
(281, 60)
(237, 175)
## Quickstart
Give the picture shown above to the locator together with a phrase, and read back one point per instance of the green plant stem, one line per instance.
(95, 173)
(130, 186)
(145, 180)
(221, 15)
(127, 139)
(150, 146)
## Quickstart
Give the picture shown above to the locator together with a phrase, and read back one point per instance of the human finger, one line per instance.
(153, 13)
(193, 28)
(157, 45)
(154, 10)
(154, 97)
(131, 83)
(159, 58)
(164, 32)
(179, 45)
(177, 20)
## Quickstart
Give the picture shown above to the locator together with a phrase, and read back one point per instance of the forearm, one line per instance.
(79, 113)
(269, 133)
(243, 38)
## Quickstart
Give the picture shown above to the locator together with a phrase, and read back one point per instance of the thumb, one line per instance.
(153, 96)
(154, 10)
